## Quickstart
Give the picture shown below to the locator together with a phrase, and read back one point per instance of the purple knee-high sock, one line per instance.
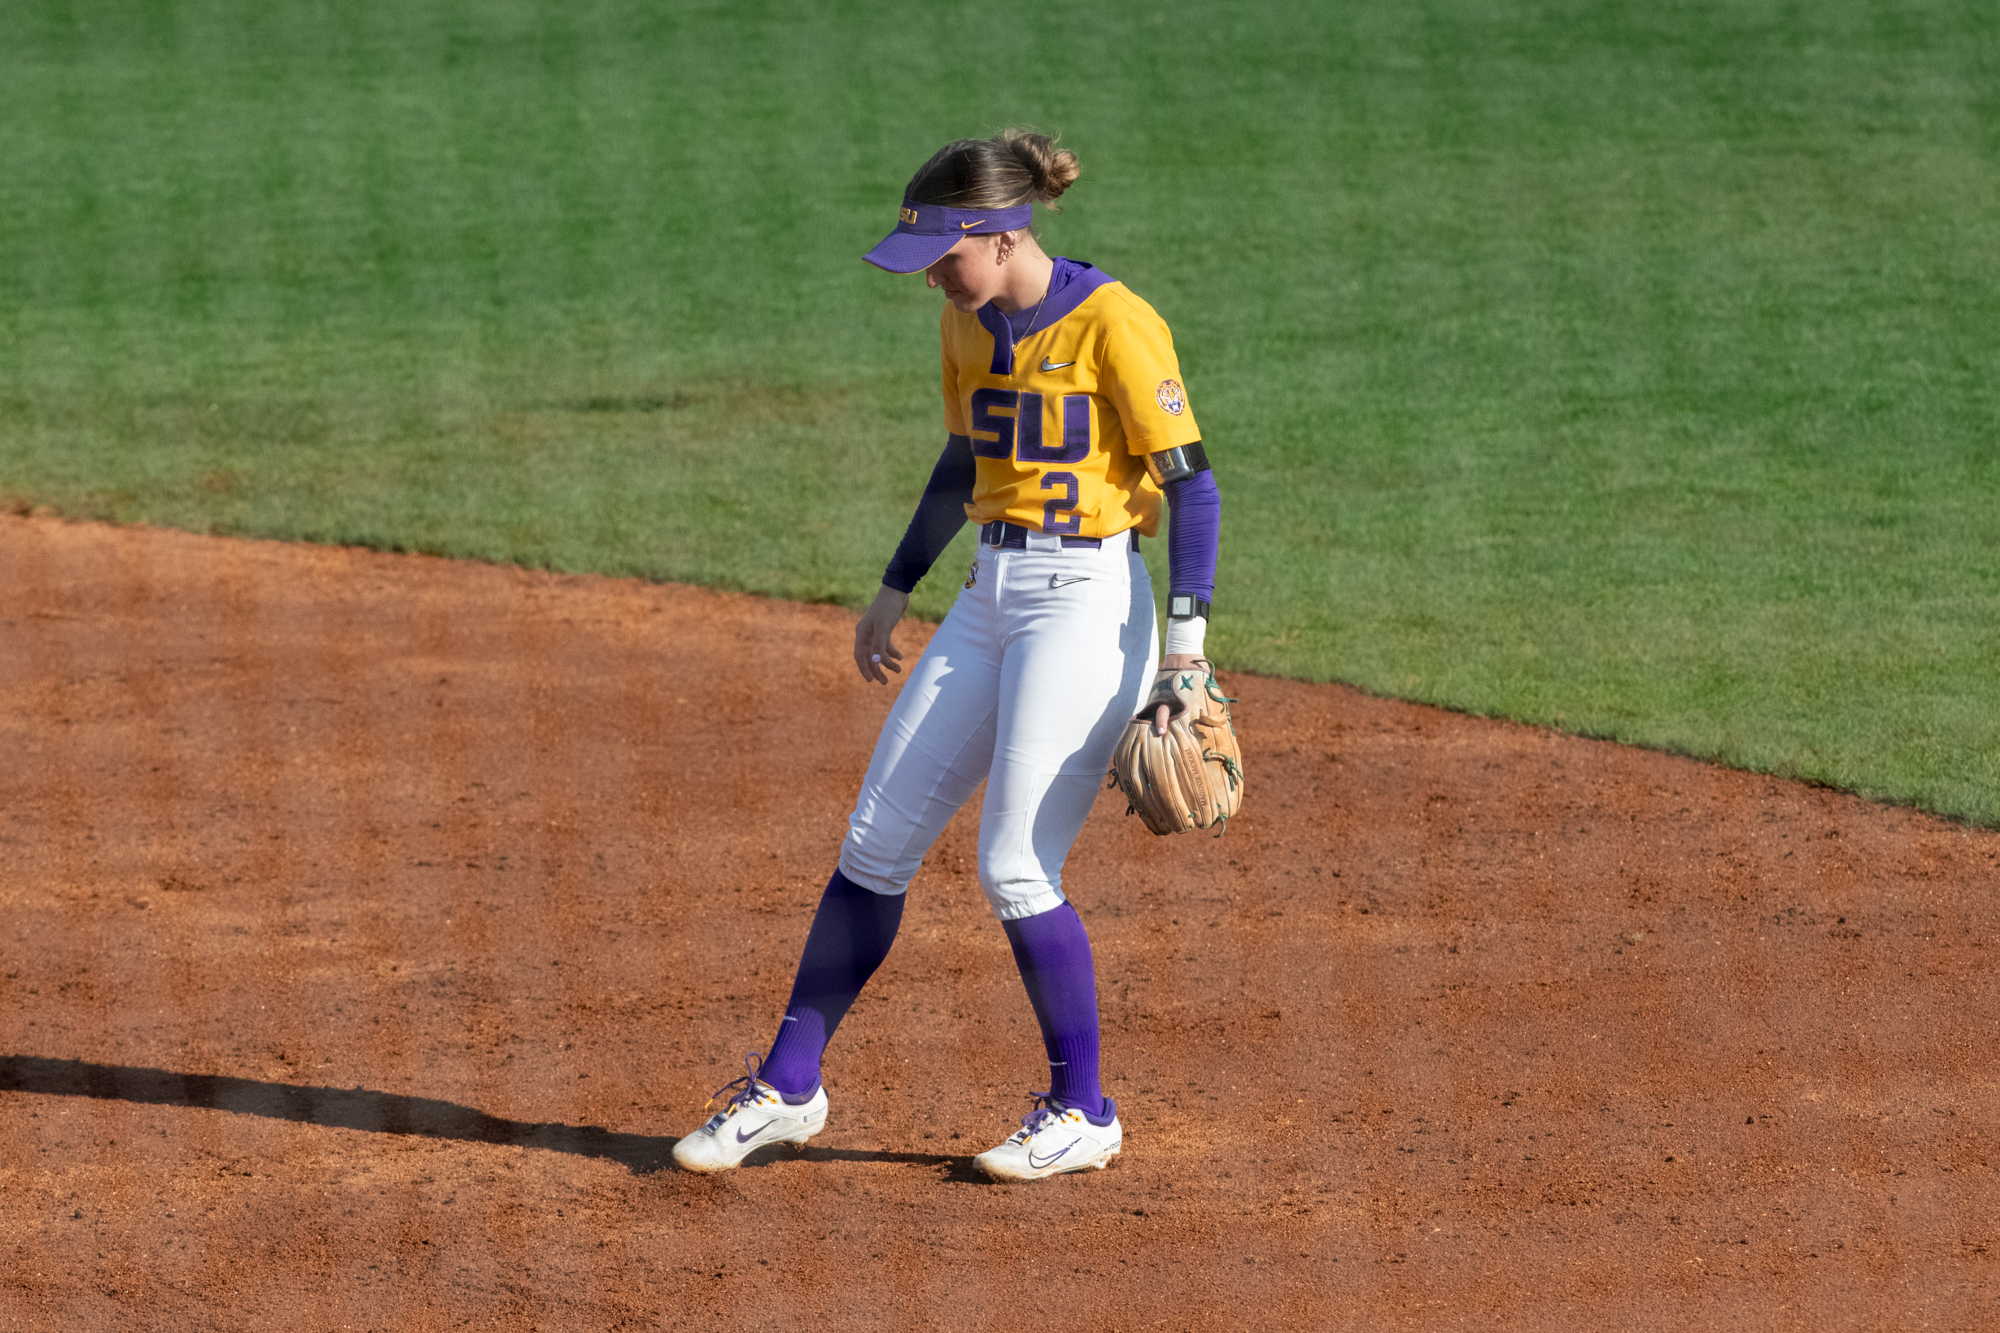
(850, 936)
(1053, 953)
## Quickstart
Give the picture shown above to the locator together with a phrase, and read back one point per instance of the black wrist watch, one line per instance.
(1180, 606)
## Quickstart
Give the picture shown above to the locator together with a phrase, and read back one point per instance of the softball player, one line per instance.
(1066, 426)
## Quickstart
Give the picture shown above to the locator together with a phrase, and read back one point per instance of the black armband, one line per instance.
(1182, 460)
(1181, 606)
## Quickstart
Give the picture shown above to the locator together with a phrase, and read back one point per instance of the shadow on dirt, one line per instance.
(956, 1170)
(393, 1113)
(339, 1108)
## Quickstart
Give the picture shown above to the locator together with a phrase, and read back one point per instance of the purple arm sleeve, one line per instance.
(940, 514)
(1194, 531)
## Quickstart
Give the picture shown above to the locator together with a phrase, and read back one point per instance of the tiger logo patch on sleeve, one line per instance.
(1171, 397)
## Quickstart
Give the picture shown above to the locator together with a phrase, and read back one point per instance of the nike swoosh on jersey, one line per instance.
(1048, 365)
(1064, 580)
(1038, 1165)
(741, 1137)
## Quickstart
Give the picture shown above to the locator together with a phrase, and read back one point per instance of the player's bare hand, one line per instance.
(873, 650)
(1168, 665)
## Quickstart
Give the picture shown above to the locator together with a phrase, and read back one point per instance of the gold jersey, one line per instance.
(1061, 421)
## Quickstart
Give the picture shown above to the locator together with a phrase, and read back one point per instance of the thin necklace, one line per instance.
(1038, 311)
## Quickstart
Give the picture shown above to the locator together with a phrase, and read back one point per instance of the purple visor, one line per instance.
(926, 232)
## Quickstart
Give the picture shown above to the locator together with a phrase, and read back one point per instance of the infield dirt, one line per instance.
(373, 923)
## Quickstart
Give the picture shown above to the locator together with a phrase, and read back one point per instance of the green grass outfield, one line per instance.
(1625, 367)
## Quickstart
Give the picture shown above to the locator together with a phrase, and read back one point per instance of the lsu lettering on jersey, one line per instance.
(1061, 422)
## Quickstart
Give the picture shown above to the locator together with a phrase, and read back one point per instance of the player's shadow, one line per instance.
(381, 1113)
(339, 1108)
(955, 1170)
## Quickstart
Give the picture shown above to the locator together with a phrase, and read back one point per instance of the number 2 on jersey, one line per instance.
(1071, 525)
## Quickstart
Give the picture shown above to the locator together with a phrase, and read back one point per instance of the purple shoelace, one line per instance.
(749, 1084)
(1046, 1108)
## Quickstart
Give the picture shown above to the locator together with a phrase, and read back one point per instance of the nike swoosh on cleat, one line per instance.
(1038, 1165)
(741, 1137)
(1064, 580)
(1048, 365)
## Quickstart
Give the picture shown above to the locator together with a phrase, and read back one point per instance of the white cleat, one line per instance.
(1052, 1141)
(754, 1116)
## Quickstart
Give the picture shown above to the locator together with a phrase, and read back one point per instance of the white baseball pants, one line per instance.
(1027, 685)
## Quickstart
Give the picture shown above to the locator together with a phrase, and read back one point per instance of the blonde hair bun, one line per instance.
(1052, 169)
(1012, 168)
